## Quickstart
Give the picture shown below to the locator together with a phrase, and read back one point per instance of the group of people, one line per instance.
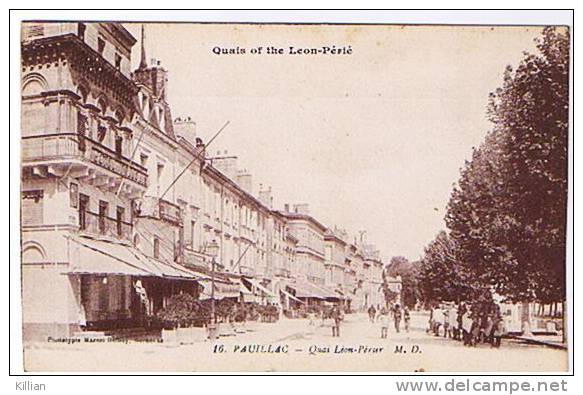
(472, 324)
(384, 315)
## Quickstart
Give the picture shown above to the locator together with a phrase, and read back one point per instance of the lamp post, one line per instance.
(213, 251)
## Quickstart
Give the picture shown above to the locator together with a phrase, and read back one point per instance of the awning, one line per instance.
(260, 287)
(94, 256)
(89, 256)
(307, 289)
(291, 296)
(222, 290)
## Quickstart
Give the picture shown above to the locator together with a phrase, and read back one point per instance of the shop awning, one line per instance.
(307, 289)
(260, 287)
(89, 256)
(94, 256)
(291, 296)
(222, 290)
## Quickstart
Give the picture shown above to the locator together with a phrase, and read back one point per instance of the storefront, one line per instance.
(122, 288)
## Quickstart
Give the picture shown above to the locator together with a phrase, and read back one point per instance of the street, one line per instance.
(295, 346)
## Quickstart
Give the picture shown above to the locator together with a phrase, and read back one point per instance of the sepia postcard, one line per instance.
(247, 197)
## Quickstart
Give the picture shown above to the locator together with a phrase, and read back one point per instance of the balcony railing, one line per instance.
(72, 146)
(281, 272)
(150, 206)
(102, 225)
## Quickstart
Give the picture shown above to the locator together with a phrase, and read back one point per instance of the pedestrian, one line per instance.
(446, 328)
(372, 313)
(336, 316)
(397, 317)
(384, 320)
(466, 328)
(488, 329)
(453, 317)
(475, 331)
(406, 318)
(497, 332)
(437, 319)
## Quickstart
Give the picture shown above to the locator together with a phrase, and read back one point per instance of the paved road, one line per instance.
(294, 345)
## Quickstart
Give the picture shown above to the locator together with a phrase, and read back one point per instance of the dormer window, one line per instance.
(81, 31)
(100, 45)
(117, 61)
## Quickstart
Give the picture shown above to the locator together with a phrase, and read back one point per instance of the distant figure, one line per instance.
(406, 318)
(466, 328)
(397, 317)
(384, 320)
(437, 320)
(475, 331)
(446, 327)
(336, 316)
(488, 329)
(372, 313)
(497, 332)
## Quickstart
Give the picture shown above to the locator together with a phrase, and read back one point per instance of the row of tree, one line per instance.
(506, 217)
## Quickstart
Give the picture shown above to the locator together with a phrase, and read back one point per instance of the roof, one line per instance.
(304, 217)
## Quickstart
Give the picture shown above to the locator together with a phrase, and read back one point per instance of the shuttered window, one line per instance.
(32, 207)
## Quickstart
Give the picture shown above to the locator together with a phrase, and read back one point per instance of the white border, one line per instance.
(400, 16)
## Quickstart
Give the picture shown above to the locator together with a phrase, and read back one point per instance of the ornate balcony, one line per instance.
(70, 154)
(156, 208)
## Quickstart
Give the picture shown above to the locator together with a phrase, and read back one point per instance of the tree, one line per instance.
(443, 276)
(507, 215)
(531, 112)
(400, 266)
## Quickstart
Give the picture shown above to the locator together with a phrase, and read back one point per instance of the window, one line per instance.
(100, 45)
(32, 207)
(118, 146)
(192, 233)
(119, 214)
(144, 160)
(83, 208)
(156, 248)
(101, 131)
(81, 130)
(159, 171)
(117, 61)
(103, 208)
(81, 31)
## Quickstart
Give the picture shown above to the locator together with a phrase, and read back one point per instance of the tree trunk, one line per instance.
(565, 321)
(526, 324)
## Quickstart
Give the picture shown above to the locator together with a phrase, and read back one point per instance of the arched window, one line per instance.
(119, 116)
(33, 84)
(83, 93)
(102, 105)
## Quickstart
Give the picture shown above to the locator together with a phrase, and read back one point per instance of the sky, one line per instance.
(372, 141)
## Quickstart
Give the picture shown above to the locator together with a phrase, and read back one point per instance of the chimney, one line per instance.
(186, 128)
(265, 196)
(226, 165)
(245, 180)
(303, 208)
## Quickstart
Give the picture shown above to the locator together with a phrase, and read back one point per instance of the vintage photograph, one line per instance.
(246, 197)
